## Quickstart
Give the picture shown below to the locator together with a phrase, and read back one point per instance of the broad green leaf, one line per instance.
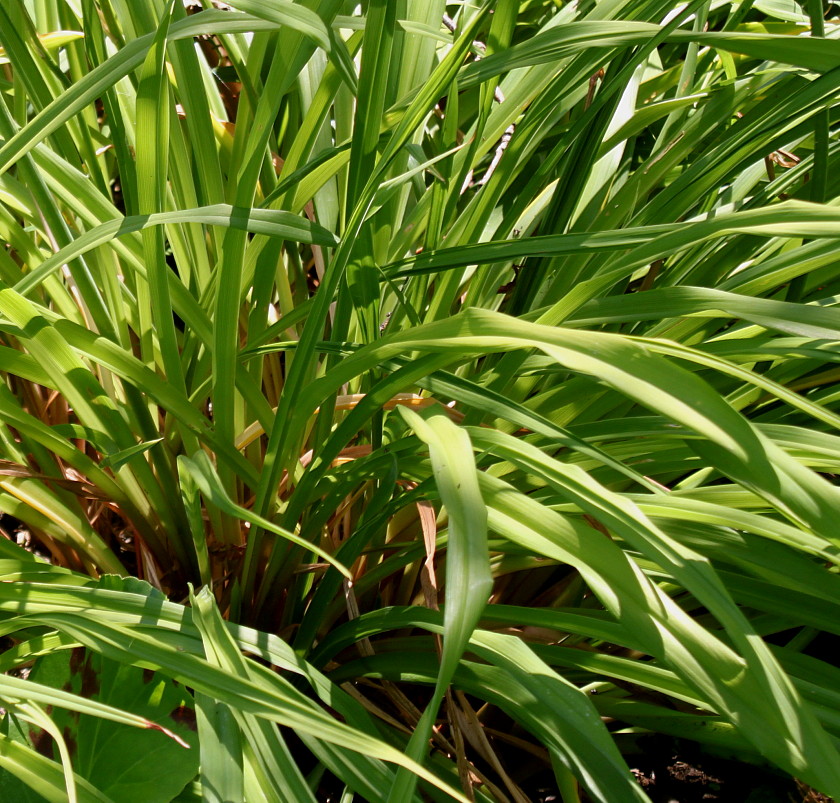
(116, 758)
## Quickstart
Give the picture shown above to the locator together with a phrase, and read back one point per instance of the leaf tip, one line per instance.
(172, 735)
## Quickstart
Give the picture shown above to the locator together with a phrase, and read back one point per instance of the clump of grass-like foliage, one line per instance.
(382, 380)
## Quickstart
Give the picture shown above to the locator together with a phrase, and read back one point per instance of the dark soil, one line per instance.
(676, 771)
(676, 780)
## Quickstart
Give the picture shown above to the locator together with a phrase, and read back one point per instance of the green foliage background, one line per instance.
(470, 358)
